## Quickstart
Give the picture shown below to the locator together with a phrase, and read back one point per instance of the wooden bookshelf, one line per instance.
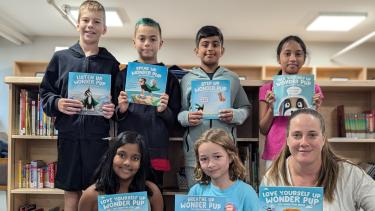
(357, 94)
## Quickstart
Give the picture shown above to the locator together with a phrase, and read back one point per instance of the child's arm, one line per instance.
(266, 111)
(156, 200)
(121, 96)
(170, 101)
(88, 200)
(241, 107)
(185, 117)
(51, 93)
(318, 97)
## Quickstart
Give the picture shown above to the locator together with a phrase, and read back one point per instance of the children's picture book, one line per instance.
(92, 89)
(145, 83)
(291, 198)
(292, 92)
(135, 201)
(210, 96)
(198, 203)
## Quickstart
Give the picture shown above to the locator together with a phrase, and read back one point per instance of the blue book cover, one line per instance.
(198, 203)
(136, 201)
(292, 92)
(145, 83)
(92, 89)
(291, 198)
(210, 96)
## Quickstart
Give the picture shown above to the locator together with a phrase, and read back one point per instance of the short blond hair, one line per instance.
(92, 6)
(220, 137)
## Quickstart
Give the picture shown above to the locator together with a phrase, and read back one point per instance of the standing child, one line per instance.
(209, 48)
(220, 172)
(80, 143)
(150, 121)
(122, 170)
(291, 55)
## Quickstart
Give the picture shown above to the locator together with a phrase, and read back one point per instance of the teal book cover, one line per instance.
(210, 96)
(92, 89)
(199, 203)
(292, 92)
(136, 201)
(145, 83)
(291, 198)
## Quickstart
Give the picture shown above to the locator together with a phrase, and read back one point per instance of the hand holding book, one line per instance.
(69, 106)
(270, 99)
(108, 110)
(123, 101)
(164, 98)
(195, 117)
(226, 115)
(317, 100)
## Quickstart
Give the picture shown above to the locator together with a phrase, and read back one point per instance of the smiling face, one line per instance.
(214, 161)
(291, 57)
(147, 41)
(91, 25)
(305, 139)
(127, 161)
(210, 50)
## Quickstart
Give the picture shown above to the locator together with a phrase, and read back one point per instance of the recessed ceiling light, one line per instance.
(112, 17)
(336, 21)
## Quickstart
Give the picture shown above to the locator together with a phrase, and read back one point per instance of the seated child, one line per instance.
(219, 172)
(122, 170)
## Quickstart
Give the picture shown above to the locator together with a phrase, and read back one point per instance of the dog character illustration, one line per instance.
(291, 104)
(221, 96)
(147, 87)
(88, 101)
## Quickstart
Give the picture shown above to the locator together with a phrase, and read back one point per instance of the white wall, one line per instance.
(177, 52)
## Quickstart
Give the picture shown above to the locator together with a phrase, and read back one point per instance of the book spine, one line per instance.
(20, 170)
(40, 183)
(33, 116)
(33, 174)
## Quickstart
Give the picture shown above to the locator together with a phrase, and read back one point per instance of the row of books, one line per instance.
(356, 125)
(36, 174)
(249, 156)
(32, 119)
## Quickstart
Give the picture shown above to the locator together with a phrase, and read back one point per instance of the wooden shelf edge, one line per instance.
(350, 140)
(34, 137)
(37, 191)
(27, 80)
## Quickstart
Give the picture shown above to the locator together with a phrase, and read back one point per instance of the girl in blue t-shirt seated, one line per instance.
(219, 172)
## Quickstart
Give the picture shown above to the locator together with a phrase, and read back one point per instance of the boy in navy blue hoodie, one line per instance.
(80, 144)
(150, 121)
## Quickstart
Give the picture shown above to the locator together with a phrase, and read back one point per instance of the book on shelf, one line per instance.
(292, 92)
(199, 203)
(36, 174)
(92, 89)
(135, 201)
(210, 96)
(355, 125)
(145, 83)
(32, 119)
(291, 198)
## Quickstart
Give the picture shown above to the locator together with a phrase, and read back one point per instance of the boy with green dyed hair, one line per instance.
(151, 122)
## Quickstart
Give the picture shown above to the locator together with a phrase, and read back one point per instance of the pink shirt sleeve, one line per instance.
(263, 90)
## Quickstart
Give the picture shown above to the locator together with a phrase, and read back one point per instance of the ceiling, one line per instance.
(238, 19)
